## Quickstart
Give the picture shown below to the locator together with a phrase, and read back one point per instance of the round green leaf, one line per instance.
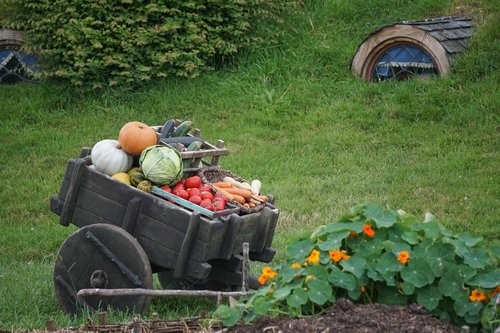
(382, 218)
(410, 237)
(477, 258)
(439, 256)
(289, 274)
(390, 296)
(342, 280)
(319, 272)
(369, 248)
(333, 241)
(487, 280)
(282, 293)
(319, 291)
(336, 227)
(473, 308)
(460, 306)
(262, 305)
(451, 284)
(418, 272)
(355, 265)
(299, 250)
(408, 288)
(429, 297)
(229, 316)
(297, 298)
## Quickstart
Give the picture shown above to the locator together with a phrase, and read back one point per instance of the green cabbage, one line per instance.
(161, 165)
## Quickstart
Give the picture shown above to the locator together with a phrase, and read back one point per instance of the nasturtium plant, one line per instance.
(379, 255)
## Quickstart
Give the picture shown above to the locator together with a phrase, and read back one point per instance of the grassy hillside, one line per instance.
(293, 116)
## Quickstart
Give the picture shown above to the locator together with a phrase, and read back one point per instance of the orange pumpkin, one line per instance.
(135, 136)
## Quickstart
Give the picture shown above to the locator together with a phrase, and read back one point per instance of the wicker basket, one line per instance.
(215, 174)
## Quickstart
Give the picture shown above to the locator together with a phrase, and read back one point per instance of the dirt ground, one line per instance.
(345, 316)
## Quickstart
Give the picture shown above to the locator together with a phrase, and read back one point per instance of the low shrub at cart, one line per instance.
(377, 255)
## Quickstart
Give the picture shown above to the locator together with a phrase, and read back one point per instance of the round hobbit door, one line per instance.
(401, 62)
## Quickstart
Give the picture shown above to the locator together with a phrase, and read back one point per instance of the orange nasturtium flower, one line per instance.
(367, 230)
(362, 289)
(313, 257)
(403, 257)
(494, 292)
(267, 273)
(337, 255)
(477, 296)
(296, 265)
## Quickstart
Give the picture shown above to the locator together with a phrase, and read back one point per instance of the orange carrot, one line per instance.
(222, 184)
(239, 199)
(222, 191)
(238, 191)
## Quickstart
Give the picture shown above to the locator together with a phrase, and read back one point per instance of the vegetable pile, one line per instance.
(145, 157)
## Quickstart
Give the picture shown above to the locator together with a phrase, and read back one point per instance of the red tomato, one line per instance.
(178, 187)
(196, 199)
(218, 205)
(220, 196)
(194, 181)
(205, 187)
(166, 188)
(207, 204)
(207, 195)
(183, 194)
(193, 191)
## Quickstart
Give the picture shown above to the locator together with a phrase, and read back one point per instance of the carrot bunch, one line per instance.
(242, 196)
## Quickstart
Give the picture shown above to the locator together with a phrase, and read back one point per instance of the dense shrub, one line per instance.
(98, 43)
(12, 14)
(377, 255)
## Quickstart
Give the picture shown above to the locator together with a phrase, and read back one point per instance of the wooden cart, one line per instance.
(125, 235)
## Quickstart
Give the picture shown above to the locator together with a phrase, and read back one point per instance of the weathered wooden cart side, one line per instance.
(186, 244)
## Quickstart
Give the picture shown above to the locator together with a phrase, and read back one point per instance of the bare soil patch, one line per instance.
(344, 316)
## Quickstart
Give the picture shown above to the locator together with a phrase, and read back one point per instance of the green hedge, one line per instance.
(128, 42)
(12, 15)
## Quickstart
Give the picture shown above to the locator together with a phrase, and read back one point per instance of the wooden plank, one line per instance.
(227, 243)
(130, 217)
(272, 225)
(101, 206)
(82, 217)
(153, 292)
(72, 195)
(185, 250)
(164, 257)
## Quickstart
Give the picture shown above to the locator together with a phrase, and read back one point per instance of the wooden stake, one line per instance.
(51, 325)
(103, 318)
(245, 268)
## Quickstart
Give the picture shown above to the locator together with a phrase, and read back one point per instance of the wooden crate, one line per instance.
(209, 155)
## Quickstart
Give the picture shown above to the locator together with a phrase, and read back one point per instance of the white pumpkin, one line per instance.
(109, 158)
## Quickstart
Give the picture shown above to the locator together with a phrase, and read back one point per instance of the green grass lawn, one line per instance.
(291, 115)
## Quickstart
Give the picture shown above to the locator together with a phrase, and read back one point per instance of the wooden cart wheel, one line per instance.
(101, 256)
